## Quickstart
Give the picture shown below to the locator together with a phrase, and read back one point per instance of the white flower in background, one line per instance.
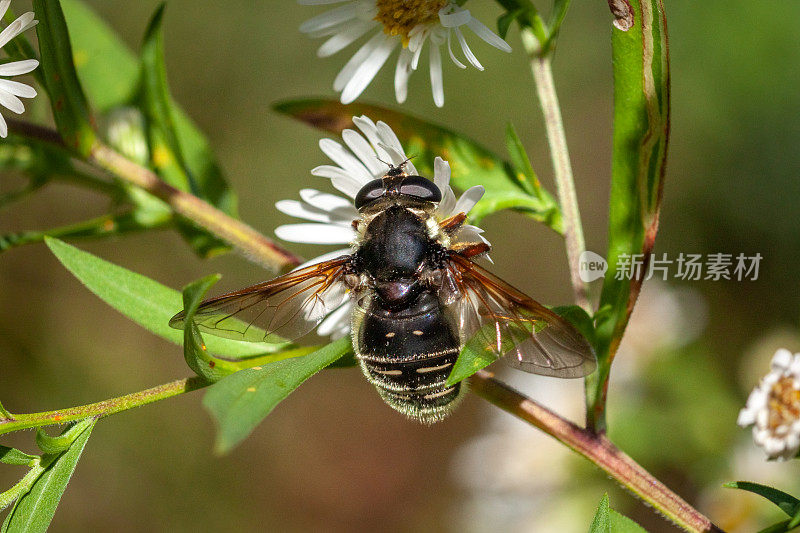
(12, 91)
(773, 408)
(331, 216)
(405, 23)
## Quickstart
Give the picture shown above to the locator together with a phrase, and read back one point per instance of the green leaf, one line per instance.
(641, 128)
(525, 13)
(111, 75)
(146, 302)
(165, 149)
(195, 351)
(524, 173)
(785, 502)
(242, 400)
(34, 510)
(471, 163)
(780, 527)
(607, 520)
(4, 414)
(602, 519)
(61, 443)
(12, 456)
(70, 110)
(108, 70)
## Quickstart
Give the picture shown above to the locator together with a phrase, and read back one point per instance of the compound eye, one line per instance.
(369, 193)
(421, 188)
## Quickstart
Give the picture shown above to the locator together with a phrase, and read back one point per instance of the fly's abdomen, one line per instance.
(408, 355)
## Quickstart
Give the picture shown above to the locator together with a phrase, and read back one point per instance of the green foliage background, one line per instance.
(333, 455)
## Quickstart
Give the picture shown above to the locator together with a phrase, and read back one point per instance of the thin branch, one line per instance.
(244, 238)
(541, 67)
(595, 447)
(101, 409)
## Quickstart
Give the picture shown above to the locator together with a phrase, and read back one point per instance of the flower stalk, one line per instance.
(597, 448)
(542, 69)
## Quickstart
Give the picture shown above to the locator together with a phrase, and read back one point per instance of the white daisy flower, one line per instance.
(407, 23)
(773, 408)
(331, 216)
(12, 91)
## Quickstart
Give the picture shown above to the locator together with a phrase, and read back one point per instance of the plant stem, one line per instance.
(101, 409)
(597, 448)
(541, 67)
(244, 238)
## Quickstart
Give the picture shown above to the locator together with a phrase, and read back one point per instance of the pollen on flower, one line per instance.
(399, 17)
(784, 403)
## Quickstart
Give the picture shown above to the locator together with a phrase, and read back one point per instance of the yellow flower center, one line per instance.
(784, 403)
(399, 17)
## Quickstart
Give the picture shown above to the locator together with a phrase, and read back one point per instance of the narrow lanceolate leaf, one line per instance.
(70, 110)
(108, 70)
(34, 511)
(785, 502)
(146, 302)
(166, 152)
(471, 163)
(641, 131)
(241, 401)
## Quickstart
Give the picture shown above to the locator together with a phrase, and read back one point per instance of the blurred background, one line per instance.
(333, 456)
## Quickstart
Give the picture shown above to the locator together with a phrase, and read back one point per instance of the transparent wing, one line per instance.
(496, 317)
(284, 308)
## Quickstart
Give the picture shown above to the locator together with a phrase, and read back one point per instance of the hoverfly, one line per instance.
(418, 299)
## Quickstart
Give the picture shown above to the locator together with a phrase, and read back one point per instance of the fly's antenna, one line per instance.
(391, 166)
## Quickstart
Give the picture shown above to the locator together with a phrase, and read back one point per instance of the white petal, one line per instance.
(437, 83)
(3, 127)
(344, 38)
(370, 130)
(315, 233)
(11, 102)
(15, 68)
(329, 18)
(324, 257)
(395, 157)
(781, 360)
(467, 50)
(364, 151)
(297, 209)
(401, 75)
(337, 320)
(340, 179)
(368, 69)
(346, 74)
(488, 35)
(441, 174)
(15, 28)
(452, 16)
(746, 417)
(469, 199)
(345, 159)
(18, 89)
(325, 201)
(4, 7)
(389, 138)
(447, 204)
(453, 57)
